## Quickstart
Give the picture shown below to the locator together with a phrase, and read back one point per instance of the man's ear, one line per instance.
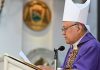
(79, 27)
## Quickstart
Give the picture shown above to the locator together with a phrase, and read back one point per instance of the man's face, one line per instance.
(70, 32)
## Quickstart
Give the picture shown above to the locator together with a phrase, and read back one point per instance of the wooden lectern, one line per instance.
(11, 63)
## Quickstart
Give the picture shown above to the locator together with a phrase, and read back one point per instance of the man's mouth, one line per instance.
(65, 37)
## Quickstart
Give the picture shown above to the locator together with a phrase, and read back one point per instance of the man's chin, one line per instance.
(67, 42)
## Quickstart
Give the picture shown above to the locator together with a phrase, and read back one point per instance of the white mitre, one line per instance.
(76, 12)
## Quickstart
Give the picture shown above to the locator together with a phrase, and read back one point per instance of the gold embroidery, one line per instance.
(71, 59)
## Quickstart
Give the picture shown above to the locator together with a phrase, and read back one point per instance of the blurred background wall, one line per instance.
(11, 27)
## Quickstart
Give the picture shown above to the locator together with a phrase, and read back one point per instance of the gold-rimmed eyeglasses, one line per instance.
(64, 29)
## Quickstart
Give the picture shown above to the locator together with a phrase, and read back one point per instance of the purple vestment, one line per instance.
(88, 57)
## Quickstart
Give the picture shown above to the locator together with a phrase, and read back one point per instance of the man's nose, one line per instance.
(63, 32)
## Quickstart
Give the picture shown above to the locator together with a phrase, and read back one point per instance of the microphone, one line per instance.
(61, 48)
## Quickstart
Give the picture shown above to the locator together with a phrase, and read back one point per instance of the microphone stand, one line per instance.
(56, 58)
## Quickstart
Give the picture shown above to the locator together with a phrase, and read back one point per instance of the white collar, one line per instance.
(76, 43)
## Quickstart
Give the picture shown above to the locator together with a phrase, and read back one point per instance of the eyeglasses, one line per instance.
(64, 29)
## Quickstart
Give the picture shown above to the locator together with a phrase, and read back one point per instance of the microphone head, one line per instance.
(61, 48)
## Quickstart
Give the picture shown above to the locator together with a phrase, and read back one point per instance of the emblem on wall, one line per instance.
(36, 15)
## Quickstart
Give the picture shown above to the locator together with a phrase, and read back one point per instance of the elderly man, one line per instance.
(84, 50)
